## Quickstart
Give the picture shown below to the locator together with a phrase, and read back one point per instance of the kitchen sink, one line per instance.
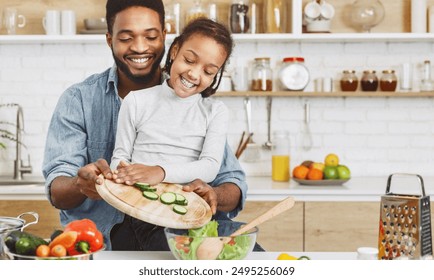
(26, 181)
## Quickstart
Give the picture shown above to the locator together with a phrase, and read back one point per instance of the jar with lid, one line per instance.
(369, 81)
(349, 80)
(280, 159)
(239, 21)
(275, 16)
(195, 12)
(293, 74)
(388, 80)
(262, 75)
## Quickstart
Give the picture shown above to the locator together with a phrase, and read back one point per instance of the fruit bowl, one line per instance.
(81, 257)
(330, 182)
(211, 242)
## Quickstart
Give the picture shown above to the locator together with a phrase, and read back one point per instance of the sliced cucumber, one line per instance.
(168, 197)
(150, 195)
(181, 210)
(142, 185)
(180, 199)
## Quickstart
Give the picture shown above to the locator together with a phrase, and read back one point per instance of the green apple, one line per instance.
(343, 172)
(331, 172)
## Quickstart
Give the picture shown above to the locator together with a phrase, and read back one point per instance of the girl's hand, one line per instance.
(130, 174)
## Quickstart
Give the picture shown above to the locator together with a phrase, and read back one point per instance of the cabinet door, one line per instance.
(341, 226)
(48, 215)
(281, 233)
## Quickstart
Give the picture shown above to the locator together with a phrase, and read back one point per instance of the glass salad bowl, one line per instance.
(211, 242)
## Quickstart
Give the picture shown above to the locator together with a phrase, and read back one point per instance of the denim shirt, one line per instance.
(83, 130)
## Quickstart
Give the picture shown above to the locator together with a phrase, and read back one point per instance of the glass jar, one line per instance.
(172, 19)
(262, 75)
(274, 20)
(349, 80)
(239, 16)
(280, 159)
(195, 12)
(388, 80)
(369, 81)
(293, 74)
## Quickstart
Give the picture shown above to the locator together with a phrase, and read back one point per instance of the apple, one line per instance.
(343, 172)
(318, 165)
(331, 172)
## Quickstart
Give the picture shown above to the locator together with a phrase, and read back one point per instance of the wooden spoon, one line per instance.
(210, 248)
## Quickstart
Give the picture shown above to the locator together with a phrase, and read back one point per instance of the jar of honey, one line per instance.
(369, 81)
(388, 81)
(349, 80)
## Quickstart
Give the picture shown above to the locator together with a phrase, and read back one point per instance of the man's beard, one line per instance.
(140, 79)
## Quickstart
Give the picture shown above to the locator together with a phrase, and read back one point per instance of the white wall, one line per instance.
(373, 136)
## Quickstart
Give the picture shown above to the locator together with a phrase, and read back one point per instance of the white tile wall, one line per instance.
(373, 136)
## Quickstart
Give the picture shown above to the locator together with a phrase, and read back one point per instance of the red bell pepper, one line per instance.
(89, 238)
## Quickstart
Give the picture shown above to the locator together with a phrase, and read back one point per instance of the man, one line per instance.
(81, 135)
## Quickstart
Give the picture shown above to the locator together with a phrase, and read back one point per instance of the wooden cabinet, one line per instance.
(281, 233)
(48, 216)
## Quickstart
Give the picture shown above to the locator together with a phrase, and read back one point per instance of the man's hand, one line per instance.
(205, 191)
(130, 174)
(87, 177)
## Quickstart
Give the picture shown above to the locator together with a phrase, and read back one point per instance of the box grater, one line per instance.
(405, 224)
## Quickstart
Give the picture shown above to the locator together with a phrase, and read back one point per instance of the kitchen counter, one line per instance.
(133, 255)
(264, 189)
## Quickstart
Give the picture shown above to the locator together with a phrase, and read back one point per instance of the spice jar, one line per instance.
(388, 81)
(349, 80)
(280, 159)
(262, 75)
(369, 81)
(239, 16)
(293, 74)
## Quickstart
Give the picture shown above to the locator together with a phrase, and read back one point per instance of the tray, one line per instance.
(331, 182)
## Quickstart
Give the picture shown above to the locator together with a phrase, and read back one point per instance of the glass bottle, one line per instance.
(196, 11)
(349, 80)
(388, 80)
(280, 159)
(239, 16)
(369, 81)
(426, 83)
(274, 20)
(262, 75)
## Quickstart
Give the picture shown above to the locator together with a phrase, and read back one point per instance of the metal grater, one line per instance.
(405, 225)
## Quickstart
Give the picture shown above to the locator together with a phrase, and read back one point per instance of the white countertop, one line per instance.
(264, 189)
(141, 255)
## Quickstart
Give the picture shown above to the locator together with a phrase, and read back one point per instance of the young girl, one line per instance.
(174, 126)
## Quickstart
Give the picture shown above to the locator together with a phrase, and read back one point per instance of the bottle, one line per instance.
(293, 74)
(274, 16)
(426, 83)
(349, 80)
(262, 75)
(388, 81)
(239, 16)
(369, 81)
(280, 160)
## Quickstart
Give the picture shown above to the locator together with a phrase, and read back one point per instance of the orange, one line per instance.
(300, 172)
(314, 174)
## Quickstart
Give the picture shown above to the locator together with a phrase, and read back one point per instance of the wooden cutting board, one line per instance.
(131, 201)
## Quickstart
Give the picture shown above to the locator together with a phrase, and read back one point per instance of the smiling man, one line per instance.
(81, 136)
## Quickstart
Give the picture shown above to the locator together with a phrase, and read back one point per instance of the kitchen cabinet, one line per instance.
(281, 233)
(48, 215)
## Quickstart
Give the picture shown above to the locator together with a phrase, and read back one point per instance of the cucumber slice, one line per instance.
(168, 197)
(181, 210)
(180, 199)
(150, 195)
(142, 185)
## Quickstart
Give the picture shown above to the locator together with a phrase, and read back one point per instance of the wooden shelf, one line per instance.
(323, 94)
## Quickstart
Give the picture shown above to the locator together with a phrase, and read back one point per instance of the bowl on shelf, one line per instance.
(95, 23)
(193, 245)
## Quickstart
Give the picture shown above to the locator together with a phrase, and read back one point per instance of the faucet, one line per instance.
(19, 168)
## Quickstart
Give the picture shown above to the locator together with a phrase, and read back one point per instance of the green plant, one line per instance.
(4, 133)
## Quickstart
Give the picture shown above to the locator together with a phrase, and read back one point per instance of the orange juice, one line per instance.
(280, 168)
